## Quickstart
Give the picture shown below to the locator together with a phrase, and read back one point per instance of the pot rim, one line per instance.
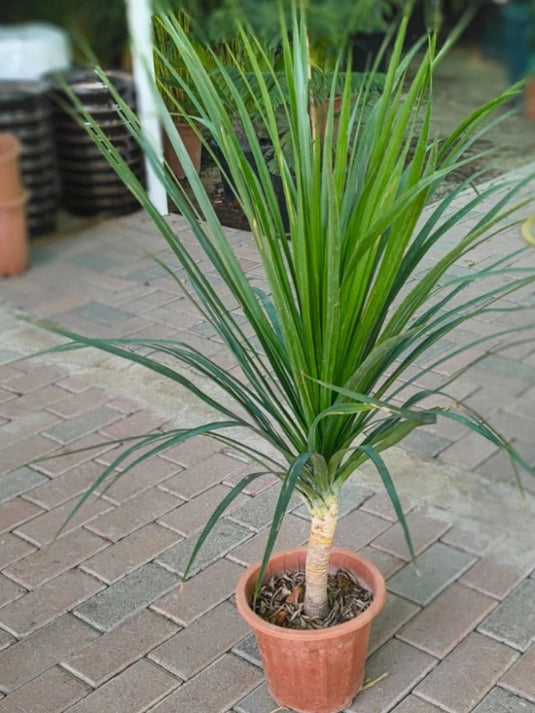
(377, 584)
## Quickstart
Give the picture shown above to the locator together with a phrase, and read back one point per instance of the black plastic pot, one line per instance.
(26, 112)
(228, 192)
(89, 185)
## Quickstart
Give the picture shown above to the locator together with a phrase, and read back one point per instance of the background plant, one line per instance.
(350, 307)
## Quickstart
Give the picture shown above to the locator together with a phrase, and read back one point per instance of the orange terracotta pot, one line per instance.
(314, 671)
(13, 236)
(193, 146)
(10, 183)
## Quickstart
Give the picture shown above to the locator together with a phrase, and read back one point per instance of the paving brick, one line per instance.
(447, 620)
(9, 590)
(293, 533)
(192, 451)
(114, 651)
(44, 528)
(58, 557)
(500, 701)
(513, 621)
(494, 578)
(520, 679)
(124, 405)
(43, 649)
(201, 593)
(75, 404)
(16, 511)
(193, 648)
(381, 505)
(201, 476)
(129, 553)
(25, 425)
(37, 377)
(136, 424)
(32, 401)
(100, 263)
(396, 612)
(387, 564)
(101, 312)
(247, 649)
(149, 300)
(470, 540)
(404, 665)
(358, 528)
(18, 482)
(62, 691)
(504, 366)
(256, 486)
(412, 704)
(257, 512)
(174, 314)
(469, 451)
(60, 489)
(5, 640)
(24, 451)
(45, 604)
(466, 674)
(258, 701)
(187, 517)
(13, 548)
(134, 691)
(9, 355)
(224, 537)
(126, 597)
(74, 428)
(424, 531)
(215, 689)
(132, 514)
(141, 478)
(67, 458)
(437, 567)
(426, 443)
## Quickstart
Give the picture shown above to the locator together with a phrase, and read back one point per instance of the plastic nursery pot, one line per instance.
(10, 183)
(320, 670)
(13, 236)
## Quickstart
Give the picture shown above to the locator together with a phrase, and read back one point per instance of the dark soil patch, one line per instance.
(281, 600)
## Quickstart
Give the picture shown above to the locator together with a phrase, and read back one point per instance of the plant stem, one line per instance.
(318, 557)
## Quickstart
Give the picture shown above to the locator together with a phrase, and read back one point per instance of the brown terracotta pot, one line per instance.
(322, 111)
(321, 670)
(193, 146)
(13, 236)
(10, 183)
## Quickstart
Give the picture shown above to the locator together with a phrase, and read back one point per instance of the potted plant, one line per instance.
(351, 305)
(166, 54)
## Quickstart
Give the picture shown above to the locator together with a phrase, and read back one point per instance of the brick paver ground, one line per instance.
(96, 620)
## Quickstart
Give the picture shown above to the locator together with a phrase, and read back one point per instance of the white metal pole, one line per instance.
(140, 28)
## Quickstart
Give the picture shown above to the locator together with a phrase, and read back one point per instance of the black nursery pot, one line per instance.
(89, 185)
(26, 112)
(228, 192)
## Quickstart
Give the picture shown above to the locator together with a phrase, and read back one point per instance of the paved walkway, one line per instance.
(95, 621)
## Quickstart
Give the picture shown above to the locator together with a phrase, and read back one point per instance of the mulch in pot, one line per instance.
(281, 600)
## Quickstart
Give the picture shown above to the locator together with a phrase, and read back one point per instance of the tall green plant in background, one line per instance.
(352, 304)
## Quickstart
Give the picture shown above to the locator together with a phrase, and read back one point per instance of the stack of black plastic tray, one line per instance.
(89, 186)
(26, 112)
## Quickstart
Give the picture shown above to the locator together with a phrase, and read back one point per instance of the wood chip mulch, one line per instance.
(281, 600)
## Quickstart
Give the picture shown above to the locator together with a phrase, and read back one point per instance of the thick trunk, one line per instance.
(318, 555)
